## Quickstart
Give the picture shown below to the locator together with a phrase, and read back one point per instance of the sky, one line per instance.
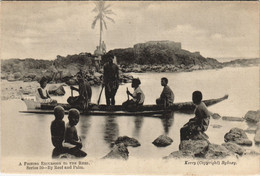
(43, 30)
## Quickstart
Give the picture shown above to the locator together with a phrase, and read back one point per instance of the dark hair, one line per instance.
(43, 79)
(73, 113)
(59, 112)
(80, 75)
(110, 59)
(165, 79)
(136, 81)
(196, 97)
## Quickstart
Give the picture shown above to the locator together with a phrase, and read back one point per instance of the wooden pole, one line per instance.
(127, 94)
(100, 95)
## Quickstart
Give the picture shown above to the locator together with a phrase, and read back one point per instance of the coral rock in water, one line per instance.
(162, 141)
(237, 136)
(127, 141)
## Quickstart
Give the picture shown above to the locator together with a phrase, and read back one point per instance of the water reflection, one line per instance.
(167, 121)
(111, 130)
(84, 126)
(138, 120)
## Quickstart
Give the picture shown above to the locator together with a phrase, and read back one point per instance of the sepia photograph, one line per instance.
(130, 87)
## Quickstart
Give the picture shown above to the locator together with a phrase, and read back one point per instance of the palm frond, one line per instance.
(95, 9)
(94, 22)
(105, 24)
(110, 19)
(105, 8)
(109, 12)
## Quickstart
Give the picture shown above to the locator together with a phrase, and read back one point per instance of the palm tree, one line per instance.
(102, 15)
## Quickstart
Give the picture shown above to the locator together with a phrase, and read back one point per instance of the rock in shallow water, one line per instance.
(253, 116)
(234, 148)
(216, 116)
(196, 148)
(257, 134)
(119, 151)
(250, 152)
(216, 126)
(179, 155)
(162, 141)
(237, 136)
(217, 152)
(228, 118)
(200, 149)
(127, 141)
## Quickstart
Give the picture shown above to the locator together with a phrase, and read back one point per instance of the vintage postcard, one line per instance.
(130, 87)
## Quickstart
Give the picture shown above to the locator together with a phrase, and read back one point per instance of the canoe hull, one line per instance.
(186, 107)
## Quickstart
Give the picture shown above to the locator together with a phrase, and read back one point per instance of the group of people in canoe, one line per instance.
(65, 137)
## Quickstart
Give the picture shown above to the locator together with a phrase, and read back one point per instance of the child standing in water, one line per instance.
(71, 138)
(58, 127)
(200, 122)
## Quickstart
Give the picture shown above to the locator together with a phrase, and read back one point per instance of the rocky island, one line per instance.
(153, 56)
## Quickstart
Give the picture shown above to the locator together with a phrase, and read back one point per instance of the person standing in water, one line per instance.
(110, 81)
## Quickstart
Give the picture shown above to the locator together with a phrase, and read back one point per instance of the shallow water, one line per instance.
(29, 134)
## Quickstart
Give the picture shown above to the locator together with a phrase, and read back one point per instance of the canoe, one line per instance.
(184, 107)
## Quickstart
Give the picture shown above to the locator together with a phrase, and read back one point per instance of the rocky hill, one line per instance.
(154, 56)
(162, 52)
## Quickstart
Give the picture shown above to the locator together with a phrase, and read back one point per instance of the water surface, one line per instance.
(29, 134)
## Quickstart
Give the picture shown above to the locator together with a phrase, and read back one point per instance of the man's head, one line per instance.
(73, 116)
(164, 81)
(43, 82)
(59, 112)
(80, 76)
(196, 97)
(136, 82)
(110, 59)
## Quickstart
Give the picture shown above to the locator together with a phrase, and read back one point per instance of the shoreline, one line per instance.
(14, 89)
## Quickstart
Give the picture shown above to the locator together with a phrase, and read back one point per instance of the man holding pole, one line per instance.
(84, 90)
(110, 81)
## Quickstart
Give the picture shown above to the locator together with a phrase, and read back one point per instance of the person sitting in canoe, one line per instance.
(138, 96)
(85, 93)
(199, 124)
(71, 139)
(167, 97)
(42, 94)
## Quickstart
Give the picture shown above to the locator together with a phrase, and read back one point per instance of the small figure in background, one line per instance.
(103, 48)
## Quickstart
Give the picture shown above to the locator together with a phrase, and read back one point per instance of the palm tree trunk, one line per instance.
(100, 36)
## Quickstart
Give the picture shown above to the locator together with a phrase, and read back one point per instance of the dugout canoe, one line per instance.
(185, 107)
